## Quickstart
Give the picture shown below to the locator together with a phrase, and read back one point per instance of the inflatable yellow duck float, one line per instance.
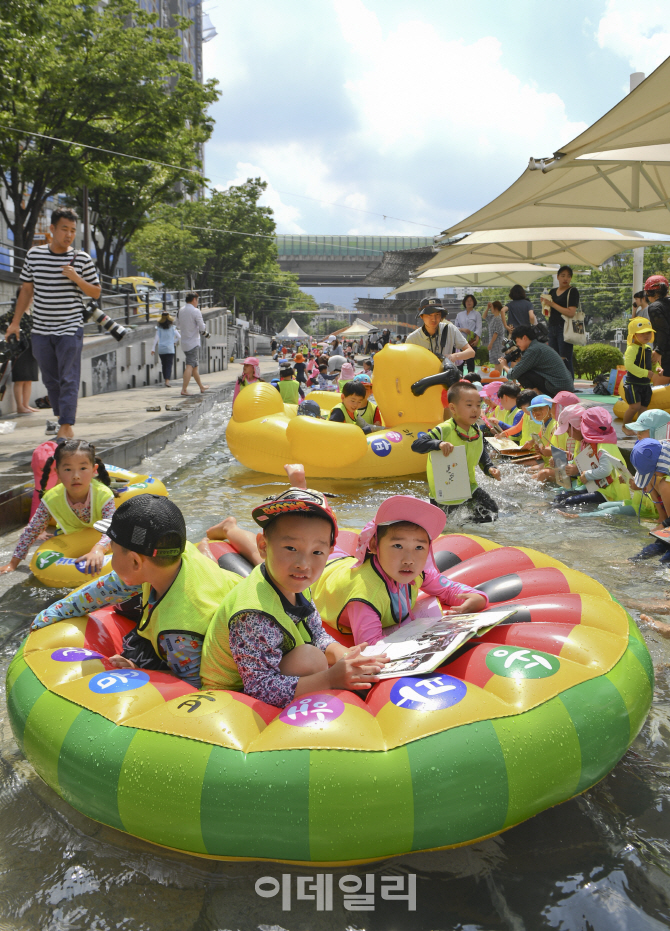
(264, 433)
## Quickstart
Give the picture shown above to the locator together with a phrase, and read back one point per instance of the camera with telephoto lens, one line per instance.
(511, 352)
(93, 314)
(12, 348)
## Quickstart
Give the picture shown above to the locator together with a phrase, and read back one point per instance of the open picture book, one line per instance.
(422, 644)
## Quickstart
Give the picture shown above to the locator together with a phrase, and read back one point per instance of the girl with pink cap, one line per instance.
(251, 373)
(595, 430)
(369, 593)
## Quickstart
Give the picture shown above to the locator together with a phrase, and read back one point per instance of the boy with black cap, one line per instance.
(267, 639)
(175, 590)
(439, 336)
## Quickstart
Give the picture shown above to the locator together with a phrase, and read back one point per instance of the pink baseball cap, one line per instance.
(565, 399)
(347, 371)
(570, 416)
(597, 426)
(401, 508)
(491, 390)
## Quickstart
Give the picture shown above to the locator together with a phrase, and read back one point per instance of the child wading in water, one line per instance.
(81, 498)
(267, 639)
(462, 430)
(251, 373)
(368, 594)
(595, 430)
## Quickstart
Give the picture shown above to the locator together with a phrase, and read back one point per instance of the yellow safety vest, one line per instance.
(342, 583)
(190, 602)
(218, 669)
(368, 413)
(56, 501)
(617, 489)
(289, 389)
(446, 433)
(560, 440)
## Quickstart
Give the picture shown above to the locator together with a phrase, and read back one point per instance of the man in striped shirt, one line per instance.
(55, 276)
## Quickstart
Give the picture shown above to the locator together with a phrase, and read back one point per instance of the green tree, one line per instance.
(95, 83)
(224, 242)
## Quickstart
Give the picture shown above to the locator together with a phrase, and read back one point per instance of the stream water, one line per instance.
(600, 862)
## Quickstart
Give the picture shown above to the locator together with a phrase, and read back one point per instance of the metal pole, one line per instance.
(127, 296)
(146, 299)
(638, 254)
(87, 231)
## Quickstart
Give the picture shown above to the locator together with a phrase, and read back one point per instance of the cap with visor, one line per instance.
(570, 416)
(431, 305)
(295, 501)
(638, 325)
(141, 522)
(655, 421)
(401, 509)
(540, 400)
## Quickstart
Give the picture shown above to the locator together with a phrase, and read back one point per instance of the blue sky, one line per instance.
(421, 110)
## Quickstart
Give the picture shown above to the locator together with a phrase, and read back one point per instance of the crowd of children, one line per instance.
(268, 633)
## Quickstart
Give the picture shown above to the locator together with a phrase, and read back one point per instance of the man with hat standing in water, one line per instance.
(438, 335)
(656, 289)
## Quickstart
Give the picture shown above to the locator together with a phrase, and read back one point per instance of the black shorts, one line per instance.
(637, 394)
(665, 364)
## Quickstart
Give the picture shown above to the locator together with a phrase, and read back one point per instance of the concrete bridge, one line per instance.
(340, 261)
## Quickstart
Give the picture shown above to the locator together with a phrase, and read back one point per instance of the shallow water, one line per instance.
(600, 862)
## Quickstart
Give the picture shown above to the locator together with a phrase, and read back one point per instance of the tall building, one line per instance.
(194, 37)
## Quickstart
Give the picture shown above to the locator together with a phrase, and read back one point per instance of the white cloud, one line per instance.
(416, 89)
(406, 120)
(285, 215)
(636, 31)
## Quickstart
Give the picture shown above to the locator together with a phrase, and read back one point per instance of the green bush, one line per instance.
(594, 358)
(481, 354)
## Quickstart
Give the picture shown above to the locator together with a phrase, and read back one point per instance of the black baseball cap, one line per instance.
(142, 521)
(431, 305)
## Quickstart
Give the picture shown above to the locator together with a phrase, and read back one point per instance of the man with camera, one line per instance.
(55, 276)
(658, 311)
(438, 335)
(537, 365)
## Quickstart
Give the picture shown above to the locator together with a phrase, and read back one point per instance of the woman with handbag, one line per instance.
(561, 304)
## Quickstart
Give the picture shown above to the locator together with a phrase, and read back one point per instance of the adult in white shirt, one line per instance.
(469, 322)
(191, 326)
(438, 335)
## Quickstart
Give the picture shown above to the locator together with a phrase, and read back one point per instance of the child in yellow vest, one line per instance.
(267, 638)
(161, 581)
(464, 405)
(508, 412)
(367, 595)
(521, 429)
(542, 426)
(354, 408)
(288, 387)
(81, 498)
(596, 430)
(562, 400)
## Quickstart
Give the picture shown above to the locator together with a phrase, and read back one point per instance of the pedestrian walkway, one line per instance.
(122, 423)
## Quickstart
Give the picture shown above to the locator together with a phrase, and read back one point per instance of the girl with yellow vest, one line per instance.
(81, 498)
(596, 430)
(267, 639)
(370, 593)
(160, 581)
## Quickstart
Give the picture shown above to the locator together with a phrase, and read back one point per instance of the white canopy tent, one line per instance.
(615, 174)
(481, 276)
(293, 331)
(577, 245)
(358, 328)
